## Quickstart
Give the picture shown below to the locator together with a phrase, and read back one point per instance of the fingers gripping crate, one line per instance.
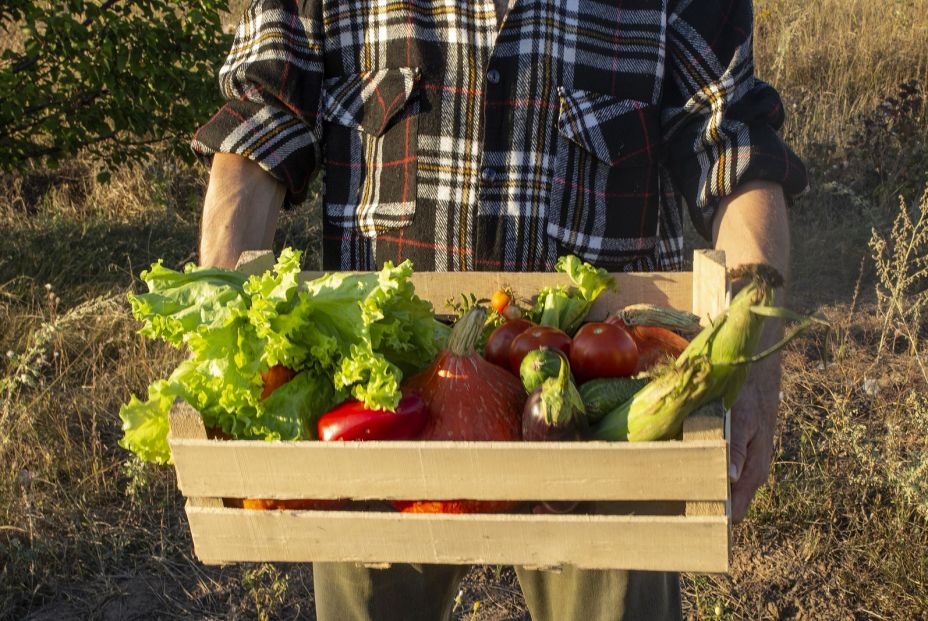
(660, 505)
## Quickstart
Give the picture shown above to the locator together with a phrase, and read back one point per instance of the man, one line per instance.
(468, 136)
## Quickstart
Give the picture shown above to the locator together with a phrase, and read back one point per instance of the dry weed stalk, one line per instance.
(902, 273)
(25, 369)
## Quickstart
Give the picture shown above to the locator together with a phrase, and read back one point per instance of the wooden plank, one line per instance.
(702, 428)
(444, 470)
(186, 423)
(588, 541)
(711, 296)
(255, 261)
(711, 291)
(666, 288)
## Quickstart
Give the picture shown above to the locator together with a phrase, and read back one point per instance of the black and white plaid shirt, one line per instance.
(579, 126)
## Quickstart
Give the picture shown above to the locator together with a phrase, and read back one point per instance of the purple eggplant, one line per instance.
(554, 412)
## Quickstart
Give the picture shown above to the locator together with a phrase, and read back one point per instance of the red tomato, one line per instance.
(500, 301)
(536, 338)
(497, 349)
(602, 350)
(512, 312)
(655, 344)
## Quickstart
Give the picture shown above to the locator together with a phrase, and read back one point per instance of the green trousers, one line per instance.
(348, 592)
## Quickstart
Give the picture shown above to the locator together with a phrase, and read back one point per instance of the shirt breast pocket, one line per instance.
(370, 127)
(604, 195)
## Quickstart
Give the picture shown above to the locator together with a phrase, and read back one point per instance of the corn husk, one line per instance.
(659, 316)
(654, 412)
(714, 366)
(735, 334)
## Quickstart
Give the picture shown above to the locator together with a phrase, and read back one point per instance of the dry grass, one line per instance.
(835, 60)
(840, 532)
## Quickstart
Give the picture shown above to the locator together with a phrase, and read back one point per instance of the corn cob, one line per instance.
(660, 316)
(654, 412)
(714, 366)
(737, 335)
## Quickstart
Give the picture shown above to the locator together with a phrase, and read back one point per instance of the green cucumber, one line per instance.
(601, 396)
(539, 365)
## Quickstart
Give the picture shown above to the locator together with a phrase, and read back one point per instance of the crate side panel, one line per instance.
(595, 542)
(711, 292)
(184, 422)
(443, 470)
(664, 288)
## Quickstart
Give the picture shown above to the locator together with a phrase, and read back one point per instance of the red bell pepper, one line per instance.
(350, 420)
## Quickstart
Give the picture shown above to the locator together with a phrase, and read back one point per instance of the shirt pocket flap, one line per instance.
(619, 132)
(368, 100)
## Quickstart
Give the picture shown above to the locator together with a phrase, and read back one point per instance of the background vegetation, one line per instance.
(839, 532)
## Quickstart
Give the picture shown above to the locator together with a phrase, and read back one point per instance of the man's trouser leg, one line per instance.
(348, 592)
(590, 595)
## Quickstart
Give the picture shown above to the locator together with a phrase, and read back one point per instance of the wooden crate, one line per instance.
(667, 502)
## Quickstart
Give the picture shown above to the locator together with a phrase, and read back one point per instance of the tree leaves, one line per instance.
(109, 78)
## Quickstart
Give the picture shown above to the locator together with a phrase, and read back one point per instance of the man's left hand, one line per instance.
(753, 419)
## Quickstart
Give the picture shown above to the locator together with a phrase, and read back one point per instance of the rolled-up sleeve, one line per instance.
(271, 81)
(719, 123)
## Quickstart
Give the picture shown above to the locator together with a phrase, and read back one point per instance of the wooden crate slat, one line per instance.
(667, 289)
(622, 542)
(444, 470)
(186, 422)
(710, 288)
(664, 288)
(701, 429)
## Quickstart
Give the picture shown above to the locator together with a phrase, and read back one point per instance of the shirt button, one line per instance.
(488, 175)
(493, 76)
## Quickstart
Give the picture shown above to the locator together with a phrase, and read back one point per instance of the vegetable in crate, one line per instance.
(497, 347)
(342, 334)
(713, 366)
(565, 308)
(295, 504)
(500, 300)
(534, 338)
(539, 365)
(601, 396)
(352, 420)
(657, 316)
(602, 350)
(652, 328)
(554, 412)
(468, 399)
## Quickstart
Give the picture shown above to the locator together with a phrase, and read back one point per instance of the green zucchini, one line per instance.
(601, 396)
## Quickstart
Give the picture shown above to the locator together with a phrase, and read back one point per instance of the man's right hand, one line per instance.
(240, 211)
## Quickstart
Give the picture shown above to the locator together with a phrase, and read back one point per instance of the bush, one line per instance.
(111, 78)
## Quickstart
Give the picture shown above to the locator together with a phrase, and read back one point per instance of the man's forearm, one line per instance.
(240, 210)
(752, 226)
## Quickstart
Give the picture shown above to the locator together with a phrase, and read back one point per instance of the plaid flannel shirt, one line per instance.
(579, 126)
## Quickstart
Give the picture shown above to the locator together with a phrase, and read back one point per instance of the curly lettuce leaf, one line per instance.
(289, 413)
(145, 423)
(362, 329)
(178, 303)
(344, 334)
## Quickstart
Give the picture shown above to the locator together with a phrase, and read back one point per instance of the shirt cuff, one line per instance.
(274, 138)
(746, 148)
